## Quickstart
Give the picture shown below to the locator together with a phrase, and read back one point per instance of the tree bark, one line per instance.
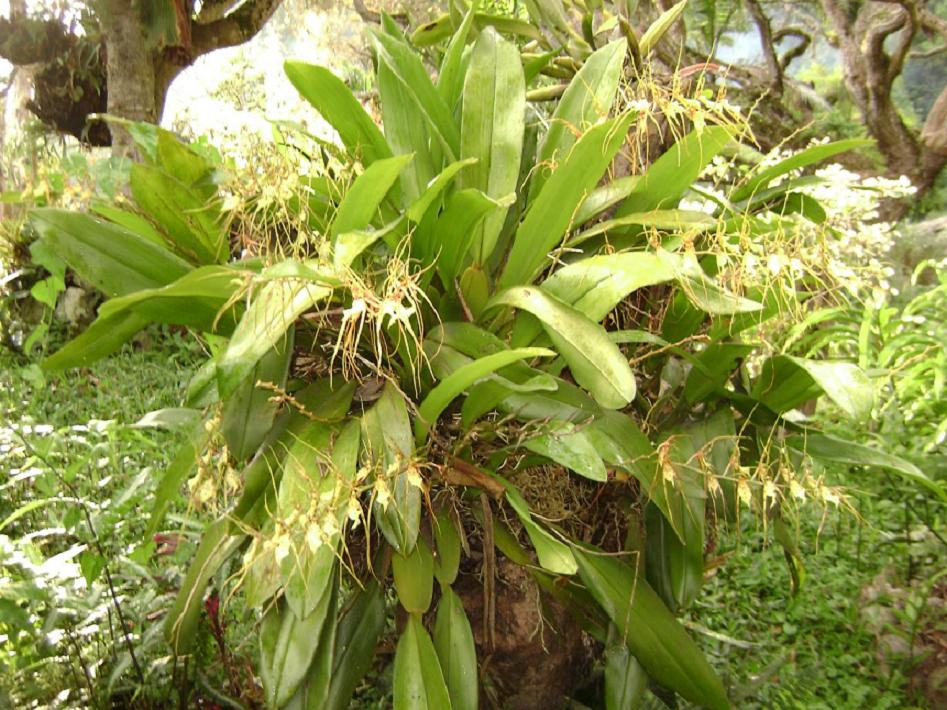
(874, 44)
(131, 72)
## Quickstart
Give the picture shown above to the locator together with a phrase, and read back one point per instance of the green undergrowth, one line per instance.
(811, 650)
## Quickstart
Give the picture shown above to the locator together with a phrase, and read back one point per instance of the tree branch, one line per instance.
(766, 41)
(233, 29)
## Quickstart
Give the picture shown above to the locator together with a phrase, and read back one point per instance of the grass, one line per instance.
(817, 649)
(814, 650)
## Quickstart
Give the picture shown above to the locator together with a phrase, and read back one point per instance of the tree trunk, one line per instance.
(131, 72)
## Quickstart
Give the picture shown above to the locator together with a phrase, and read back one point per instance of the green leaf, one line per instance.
(288, 645)
(358, 633)
(625, 679)
(494, 105)
(454, 643)
(418, 680)
(362, 200)
(313, 693)
(133, 223)
(452, 386)
(553, 555)
(654, 636)
(669, 176)
(317, 478)
(192, 222)
(216, 545)
(455, 231)
(718, 361)
(450, 78)
(552, 211)
(809, 156)
(447, 544)
(588, 98)
(605, 196)
(333, 99)
(177, 472)
(405, 133)
(660, 27)
(274, 308)
(594, 286)
(389, 448)
(102, 338)
(596, 363)
(705, 293)
(407, 67)
(826, 447)
(414, 578)
(196, 300)
(419, 208)
(110, 258)
(785, 382)
(248, 413)
(672, 220)
(572, 448)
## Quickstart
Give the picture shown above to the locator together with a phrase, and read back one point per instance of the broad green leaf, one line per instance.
(418, 680)
(669, 176)
(625, 679)
(405, 133)
(177, 472)
(553, 555)
(435, 188)
(110, 258)
(450, 78)
(454, 643)
(248, 413)
(570, 447)
(492, 125)
(175, 419)
(447, 544)
(455, 231)
(432, 32)
(645, 625)
(359, 631)
(192, 223)
(196, 300)
(622, 444)
(389, 448)
(217, 544)
(551, 213)
(826, 447)
(333, 99)
(605, 196)
(406, 65)
(133, 223)
(675, 565)
(414, 578)
(588, 98)
(317, 479)
(273, 309)
(594, 286)
(718, 361)
(102, 338)
(452, 386)
(809, 156)
(288, 645)
(596, 363)
(660, 27)
(704, 292)
(350, 245)
(786, 382)
(313, 693)
(179, 160)
(667, 220)
(361, 202)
